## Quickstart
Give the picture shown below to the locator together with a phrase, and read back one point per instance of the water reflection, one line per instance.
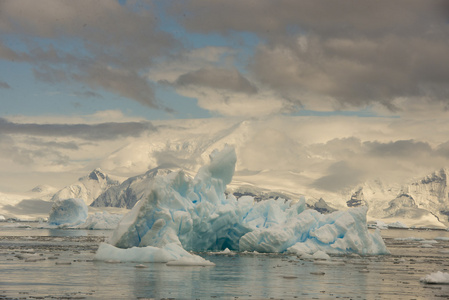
(249, 276)
(65, 232)
(67, 269)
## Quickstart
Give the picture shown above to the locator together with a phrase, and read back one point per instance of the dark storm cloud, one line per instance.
(4, 85)
(274, 19)
(401, 148)
(356, 52)
(103, 131)
(127, 83)
(52, 144)
(217, 78)
(120, 41)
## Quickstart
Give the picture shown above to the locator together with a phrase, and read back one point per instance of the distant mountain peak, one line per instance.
(43, 188)
(88, 187)
(440, 177)
(97, 174)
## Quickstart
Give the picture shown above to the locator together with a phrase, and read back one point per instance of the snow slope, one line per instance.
(420, 203)
(130, 191)
(87, 188)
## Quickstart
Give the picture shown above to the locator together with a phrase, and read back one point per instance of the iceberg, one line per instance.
(196, 215)
(104, 221)
(436, 278)
(70, 212)
(172, 254)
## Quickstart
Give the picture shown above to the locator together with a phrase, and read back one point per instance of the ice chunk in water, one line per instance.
(436, 278)
(170, 253)
(102, 220)
(70, 212)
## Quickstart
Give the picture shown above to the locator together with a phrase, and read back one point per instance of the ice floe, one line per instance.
(436, 278)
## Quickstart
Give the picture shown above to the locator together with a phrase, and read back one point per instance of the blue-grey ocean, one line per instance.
(38, 263)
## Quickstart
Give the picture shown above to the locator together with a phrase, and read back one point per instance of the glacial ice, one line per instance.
(70, 212)
(436, 278)
(196, 214)
(102, 220)
(172, 254)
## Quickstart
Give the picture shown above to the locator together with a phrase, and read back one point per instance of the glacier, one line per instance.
(196, 215)
(70, 212)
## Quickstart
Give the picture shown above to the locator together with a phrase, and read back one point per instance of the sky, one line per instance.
(82, 79)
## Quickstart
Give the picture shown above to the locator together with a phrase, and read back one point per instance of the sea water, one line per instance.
(38, 263)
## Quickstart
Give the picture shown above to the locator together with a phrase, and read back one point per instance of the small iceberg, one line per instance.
(70, 212)
(436, 278)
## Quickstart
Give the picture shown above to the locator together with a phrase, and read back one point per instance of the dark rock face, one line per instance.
(357, 199)
(322, 207)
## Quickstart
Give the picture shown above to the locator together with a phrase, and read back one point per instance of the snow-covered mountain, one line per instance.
(424, 201)
(30, 205)
(43, 191)
(431, 193)
(130, 191)
(88, 187)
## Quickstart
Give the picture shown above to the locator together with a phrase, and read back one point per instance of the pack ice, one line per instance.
(195, 214)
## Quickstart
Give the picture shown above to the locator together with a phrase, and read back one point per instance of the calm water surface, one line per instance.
(58, 264)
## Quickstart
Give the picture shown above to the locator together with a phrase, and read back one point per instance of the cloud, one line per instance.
(399, 149)
(87, 94)
(278, 19)
(102, 131)
(52, 144)
(327, 55)
(4, 85)
(356, 72)
(217, 78)
(234, 104)
(127, 83)
(29, 207)
(207, 74)
(32, 152)
(98, 117)
(340, 176)
(114, 44)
